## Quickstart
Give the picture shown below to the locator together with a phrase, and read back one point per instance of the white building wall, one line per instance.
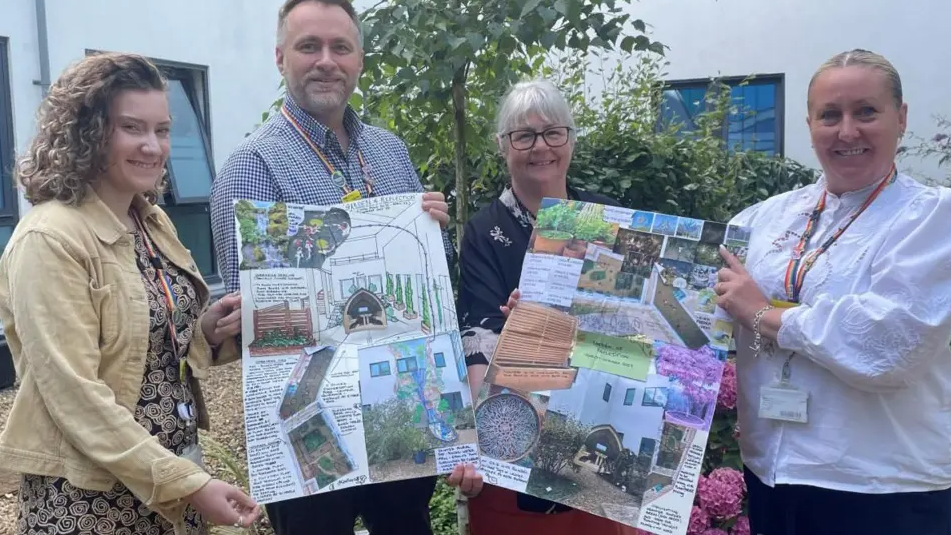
(379, 389)
(233, 39)
(585, 401)
(742, 37)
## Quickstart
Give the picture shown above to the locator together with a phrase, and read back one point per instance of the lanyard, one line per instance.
(175, 314)
(335, 174)
(799, 265)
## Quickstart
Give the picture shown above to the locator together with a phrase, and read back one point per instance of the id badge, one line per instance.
(783, 402)
(194, 454)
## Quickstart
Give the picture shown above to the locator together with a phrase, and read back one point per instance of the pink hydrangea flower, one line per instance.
(742, 526)
(699, 521)
(721, 493)
(715, 531)
(727, 397)
(729, 475)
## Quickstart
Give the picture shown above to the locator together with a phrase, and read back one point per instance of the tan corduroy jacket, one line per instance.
(76, 318)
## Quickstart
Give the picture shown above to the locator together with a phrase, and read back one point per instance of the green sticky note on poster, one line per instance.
(612, 355)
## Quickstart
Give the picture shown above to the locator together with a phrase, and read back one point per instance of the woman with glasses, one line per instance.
(536, 136)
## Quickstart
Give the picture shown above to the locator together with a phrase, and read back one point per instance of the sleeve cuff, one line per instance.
(789, 336)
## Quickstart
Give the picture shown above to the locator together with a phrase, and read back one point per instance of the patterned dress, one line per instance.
(52, 506)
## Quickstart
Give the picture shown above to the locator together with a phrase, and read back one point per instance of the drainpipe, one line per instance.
(42, 40)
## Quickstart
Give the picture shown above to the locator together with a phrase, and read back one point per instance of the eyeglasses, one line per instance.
(555, 136)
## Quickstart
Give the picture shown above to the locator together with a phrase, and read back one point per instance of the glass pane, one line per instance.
(189, 162)
(5, 233)
(681, 106)
(194, 230)
(753, 126)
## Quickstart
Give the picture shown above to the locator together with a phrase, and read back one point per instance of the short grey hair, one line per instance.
(863, 58)
(533, 97)
(289, 6)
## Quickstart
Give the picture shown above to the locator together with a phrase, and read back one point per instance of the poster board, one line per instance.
(353, 370)
(603, 384)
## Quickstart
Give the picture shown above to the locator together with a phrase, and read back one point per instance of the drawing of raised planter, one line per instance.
(279, 330)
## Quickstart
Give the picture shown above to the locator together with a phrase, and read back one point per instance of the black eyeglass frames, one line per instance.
(555, 136)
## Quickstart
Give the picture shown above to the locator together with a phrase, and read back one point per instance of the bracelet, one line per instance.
(757, 345)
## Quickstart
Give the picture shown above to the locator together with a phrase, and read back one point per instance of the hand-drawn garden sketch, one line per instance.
(349, 334)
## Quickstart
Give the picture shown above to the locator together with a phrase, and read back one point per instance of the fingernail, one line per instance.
(722, 247)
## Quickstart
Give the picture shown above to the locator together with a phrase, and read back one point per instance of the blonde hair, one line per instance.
(71, 146)
(862, 58)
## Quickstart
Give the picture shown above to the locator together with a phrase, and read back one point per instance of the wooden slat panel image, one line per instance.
(533, 350)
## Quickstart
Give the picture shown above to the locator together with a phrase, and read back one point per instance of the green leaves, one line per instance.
(529, 6)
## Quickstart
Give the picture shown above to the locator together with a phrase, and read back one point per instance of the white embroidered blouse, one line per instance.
(871, 342)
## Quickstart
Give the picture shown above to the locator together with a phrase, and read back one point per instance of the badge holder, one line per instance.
(192, 452)
(783, 401)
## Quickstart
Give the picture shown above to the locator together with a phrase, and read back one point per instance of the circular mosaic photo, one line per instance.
(508, 427)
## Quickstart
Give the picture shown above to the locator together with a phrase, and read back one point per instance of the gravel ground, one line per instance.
(9, 483)
(223, 395)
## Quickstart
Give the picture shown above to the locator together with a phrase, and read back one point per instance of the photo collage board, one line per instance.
(601, 391)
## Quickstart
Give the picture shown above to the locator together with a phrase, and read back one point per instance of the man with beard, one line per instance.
(317, 151)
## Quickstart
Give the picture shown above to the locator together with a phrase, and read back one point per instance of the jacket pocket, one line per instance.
(106, 307)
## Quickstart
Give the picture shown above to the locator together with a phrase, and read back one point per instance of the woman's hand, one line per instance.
(434, 203)
(222, 320)
(225, 505)
(467, 479)
(510, 305)
(737, 292)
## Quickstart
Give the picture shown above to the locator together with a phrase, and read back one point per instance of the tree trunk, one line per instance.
(459, 138)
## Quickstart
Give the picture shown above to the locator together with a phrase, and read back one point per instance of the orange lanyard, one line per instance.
(799, 265)
(165, 282)
(335, 174)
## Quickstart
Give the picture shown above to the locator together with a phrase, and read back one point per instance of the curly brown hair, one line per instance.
(71, 146)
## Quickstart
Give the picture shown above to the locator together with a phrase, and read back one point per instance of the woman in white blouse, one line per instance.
(843, 361)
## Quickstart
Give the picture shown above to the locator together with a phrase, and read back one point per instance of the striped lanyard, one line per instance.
(799, 264)
(335, 174)
(165, 283)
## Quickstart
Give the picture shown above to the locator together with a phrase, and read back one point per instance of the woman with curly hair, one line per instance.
(111, 342)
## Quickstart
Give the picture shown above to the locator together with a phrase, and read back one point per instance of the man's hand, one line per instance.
(434, 202)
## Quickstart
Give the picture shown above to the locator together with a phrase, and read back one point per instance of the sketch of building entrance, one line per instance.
(363, 311)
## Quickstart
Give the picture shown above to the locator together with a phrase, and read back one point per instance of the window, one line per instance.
(440, 360)
(379, 369)
(191, 166)
(654, 397)
(757, 121)
(8, 196)
(629, 396)
(606, 396)
(406, 365)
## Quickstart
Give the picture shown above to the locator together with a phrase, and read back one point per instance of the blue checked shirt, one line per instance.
(276, 164)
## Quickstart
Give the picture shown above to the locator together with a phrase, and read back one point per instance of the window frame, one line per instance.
(194, 79)
(10, 208)
(777, 78)
(383, 365)
(606, 394)
(630, 395)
